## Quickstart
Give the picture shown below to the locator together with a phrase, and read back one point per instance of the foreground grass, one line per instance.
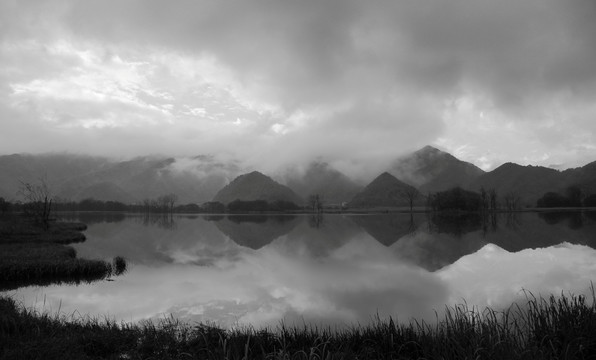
(552, 328)
(35, 255)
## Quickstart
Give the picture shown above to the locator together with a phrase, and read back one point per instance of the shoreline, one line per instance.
(31, 254)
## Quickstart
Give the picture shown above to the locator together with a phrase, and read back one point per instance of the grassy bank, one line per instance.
(553, 328)
(31, 254)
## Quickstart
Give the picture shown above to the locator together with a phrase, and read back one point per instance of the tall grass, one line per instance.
(556, 327)
(31, 255)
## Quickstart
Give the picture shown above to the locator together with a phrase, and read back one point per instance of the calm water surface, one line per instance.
(332, 269)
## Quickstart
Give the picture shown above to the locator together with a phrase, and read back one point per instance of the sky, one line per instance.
(270, 81)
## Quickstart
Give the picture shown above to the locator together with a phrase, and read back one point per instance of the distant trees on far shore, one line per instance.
(162, 205)
(456, 199)
(574, 196)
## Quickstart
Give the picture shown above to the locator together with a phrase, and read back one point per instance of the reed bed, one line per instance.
(556, 327)
(32, 255)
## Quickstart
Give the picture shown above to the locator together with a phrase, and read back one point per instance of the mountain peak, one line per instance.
(386, 176)
(428, 149)
(431, 169)
(384, 190)
(255, 186)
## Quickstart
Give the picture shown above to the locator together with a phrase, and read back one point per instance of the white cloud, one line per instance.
(507, 80)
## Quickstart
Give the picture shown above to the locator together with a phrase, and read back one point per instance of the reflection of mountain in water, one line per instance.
(517, 232)
(435, 251)
(388, 228)
(443, 240)
(319, 236)
(455, 224)
(256, 231)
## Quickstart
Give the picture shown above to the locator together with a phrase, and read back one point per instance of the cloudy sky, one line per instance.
(488, 81)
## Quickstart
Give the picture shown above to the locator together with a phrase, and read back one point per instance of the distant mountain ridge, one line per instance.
(530, 182)
(75, 177)
(198, 179)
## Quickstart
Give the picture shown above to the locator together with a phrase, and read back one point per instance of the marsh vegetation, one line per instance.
(557, 327)
(37, 254)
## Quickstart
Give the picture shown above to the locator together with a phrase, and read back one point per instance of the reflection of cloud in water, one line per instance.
(494, 277)
(263, 287)
(333, 274)
(194, 241)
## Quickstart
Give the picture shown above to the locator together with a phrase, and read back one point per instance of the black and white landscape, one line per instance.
(321, 179)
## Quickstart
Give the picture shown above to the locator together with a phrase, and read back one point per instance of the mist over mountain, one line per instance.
(320, 178)
(430, 169)
(256, 186)
(76, 177)
(199, 179)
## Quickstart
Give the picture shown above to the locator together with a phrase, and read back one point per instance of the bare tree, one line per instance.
(492, 193)
(484, 198)
(511, 201)
(315, 202)
(410, 194)
(171, 201)
(38, 198)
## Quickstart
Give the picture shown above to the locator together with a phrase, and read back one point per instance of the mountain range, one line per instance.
(204, 178)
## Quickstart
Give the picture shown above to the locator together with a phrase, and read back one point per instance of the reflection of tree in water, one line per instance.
(590, 215)
(315, 220)
(387, 229)
(455, 224)
(512, 220)
(214, 217)
(239, 219)
(489, 222)
(91, 218)
(163, 221)
(575, 219)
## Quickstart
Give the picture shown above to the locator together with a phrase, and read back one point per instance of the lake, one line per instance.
(334, 269)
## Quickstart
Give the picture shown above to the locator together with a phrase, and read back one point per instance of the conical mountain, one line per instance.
(384, 191)
(256, 186)
(431, 169)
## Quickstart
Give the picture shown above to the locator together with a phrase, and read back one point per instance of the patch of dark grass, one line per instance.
(119, 265)
(557, 327)
(34, 255)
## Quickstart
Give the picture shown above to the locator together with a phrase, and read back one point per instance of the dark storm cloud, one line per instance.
(311, 49)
